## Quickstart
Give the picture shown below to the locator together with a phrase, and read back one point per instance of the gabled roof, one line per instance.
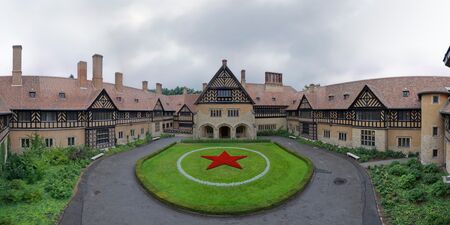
(279, 96)
(4, 109)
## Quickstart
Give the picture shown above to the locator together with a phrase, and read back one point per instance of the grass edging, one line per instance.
(290, 195)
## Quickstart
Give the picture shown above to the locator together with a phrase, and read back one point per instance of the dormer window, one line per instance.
(405, 93)
(119, 99)
(330, 97)
(136, 100)
(294, 101)
(32, 94)
(346, 96)
(62, 95)
(258, 98)
(274, 99)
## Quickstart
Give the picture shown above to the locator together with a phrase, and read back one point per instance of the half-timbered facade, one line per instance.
(408, 114)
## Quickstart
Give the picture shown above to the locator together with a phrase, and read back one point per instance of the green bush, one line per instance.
(437, 218)
(407, 181)
(17, 191)
(226, 141)
(439, 189)
(416, 195)
(397, 169)
(279, 132)
(56, 157)
(164, 135)
(414, 164)
(81, 153)
(24, 167)
(60, 183)
(431, 168)
(430, 178)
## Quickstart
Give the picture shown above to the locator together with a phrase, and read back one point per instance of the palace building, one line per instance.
(407, 114)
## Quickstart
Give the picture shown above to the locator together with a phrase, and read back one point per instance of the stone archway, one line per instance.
(207, 131)
(224, 132)
(242, 131)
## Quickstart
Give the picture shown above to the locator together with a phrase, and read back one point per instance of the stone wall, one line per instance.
(431, 117)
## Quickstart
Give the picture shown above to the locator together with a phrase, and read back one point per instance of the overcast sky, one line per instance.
(183, 42)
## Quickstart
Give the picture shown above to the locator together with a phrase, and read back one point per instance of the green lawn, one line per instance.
(287, 174)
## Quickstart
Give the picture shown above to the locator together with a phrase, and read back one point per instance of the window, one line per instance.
(142, 130)
(367, 115)
(267, 127)
(25, 142)
(72, 116)
(48, 116)
(233, 112)
(102, 136)
(133, 114)
(368, 137)
(404, 142)
(120, 134)
(326, 133)
(216, 112)
(435, 99)
(305, 128)
(71, 141)
(136, 100)
(341, 115)
(405, 93)
(24, 116)
(330, 97)
(435, 131)
(119, 99)
(132, 132)
(164, 126)
(435, 153)
(346, 96)
(342, 136)
(157, 127)
(258, 98)
(32, 94)
(49, 142)
(223, 93)
(404, 116)
(101, 116)
(62, 95)
(305, 114)
(274, 99)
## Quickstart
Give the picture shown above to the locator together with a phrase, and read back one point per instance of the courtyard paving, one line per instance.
(340, 192)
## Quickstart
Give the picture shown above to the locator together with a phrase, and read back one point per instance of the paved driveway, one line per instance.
(110, 194)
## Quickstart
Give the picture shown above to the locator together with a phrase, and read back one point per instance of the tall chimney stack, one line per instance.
(145, 85)
(224, 62)
(243, 78)
(204, 85)
(185, 90)
(17, 65)
(158, 89)
(118, 81)
(97, 70)
(82, 74)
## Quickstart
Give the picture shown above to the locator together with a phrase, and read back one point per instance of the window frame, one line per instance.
(404, 142)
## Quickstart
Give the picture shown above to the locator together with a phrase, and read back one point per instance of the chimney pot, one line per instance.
(118, 81)
(145, 85)
(97, 70)
(82, 74)
(158, 89)
(17, 65)
(224, 62)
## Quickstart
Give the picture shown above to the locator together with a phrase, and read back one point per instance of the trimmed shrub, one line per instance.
(431, 168)
(430, 178)
(416, 195)
(279, 132)
(407, 181)
(414, 164)
(397, 170)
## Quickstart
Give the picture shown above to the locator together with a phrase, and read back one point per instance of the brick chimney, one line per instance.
(17, 65)
(224, 62)
(97, 70)
(145, 85)
(82, 74)
(158, 89)
(185, 90)
(204, 85)
(274, 78)
(118, 83)
(243, 78)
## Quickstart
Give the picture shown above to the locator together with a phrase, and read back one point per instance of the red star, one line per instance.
(224, 159)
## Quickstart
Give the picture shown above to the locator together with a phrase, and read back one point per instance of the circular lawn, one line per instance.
(224, 178)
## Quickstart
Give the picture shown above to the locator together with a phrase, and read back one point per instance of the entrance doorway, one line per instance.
(224, 132)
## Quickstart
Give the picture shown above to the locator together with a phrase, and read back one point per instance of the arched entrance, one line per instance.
(207, 131)
(224, 132)
(241, 131)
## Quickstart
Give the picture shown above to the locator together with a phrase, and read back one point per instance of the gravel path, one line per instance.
(339, 193)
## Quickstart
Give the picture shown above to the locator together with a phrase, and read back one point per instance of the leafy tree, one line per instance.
(310, 86)
(177, 91)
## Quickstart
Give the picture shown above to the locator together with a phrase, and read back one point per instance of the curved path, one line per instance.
(109, 193)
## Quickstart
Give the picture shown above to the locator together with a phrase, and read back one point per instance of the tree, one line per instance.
(177, 91)
(310, 86)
